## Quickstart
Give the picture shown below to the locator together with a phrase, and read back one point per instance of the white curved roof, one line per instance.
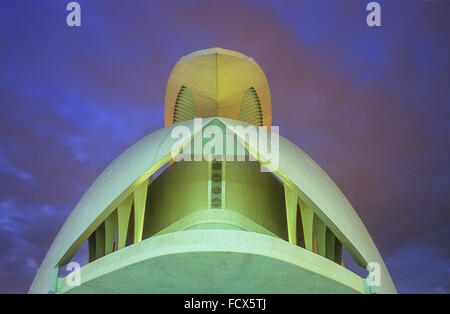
(141, 160)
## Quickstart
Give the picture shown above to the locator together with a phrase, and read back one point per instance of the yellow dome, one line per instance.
(218, 82)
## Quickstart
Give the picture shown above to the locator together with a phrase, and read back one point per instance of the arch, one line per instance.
(134, 166)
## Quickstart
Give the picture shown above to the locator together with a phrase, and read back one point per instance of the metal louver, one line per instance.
(184, 106)
(251, 108)
(216, 184)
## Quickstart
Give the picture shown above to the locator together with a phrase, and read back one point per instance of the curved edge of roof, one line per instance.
(251, 244)
(217, 50)
(143, 158)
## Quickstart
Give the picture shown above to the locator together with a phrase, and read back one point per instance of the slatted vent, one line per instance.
(216, 186)
(251, 108)
(184, 106)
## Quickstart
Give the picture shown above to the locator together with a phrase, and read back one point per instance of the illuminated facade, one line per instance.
(213, 226)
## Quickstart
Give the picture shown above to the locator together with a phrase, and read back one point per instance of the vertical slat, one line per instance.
(291, 213)
(110, 232)
(320, 230)
(224, 167)
(315, 244)
(100, 241)
(140, 199)
(91, 242)
(338, 252)
(307, 223)
(330, 249)
(299, 227)
(123, 217)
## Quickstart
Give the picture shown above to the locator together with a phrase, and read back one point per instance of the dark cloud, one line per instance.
(369, 105)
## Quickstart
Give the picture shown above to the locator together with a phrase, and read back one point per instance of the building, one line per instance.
(156, 225)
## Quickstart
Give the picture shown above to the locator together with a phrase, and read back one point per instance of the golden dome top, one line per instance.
(218, 82)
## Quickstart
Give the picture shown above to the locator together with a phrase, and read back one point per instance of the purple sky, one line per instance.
(370, 105)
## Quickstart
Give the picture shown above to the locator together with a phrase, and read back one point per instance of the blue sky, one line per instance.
(370, 105)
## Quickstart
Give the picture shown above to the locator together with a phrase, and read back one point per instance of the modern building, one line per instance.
(215, 224)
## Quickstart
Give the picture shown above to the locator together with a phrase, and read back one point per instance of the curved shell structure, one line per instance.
(223, 222)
